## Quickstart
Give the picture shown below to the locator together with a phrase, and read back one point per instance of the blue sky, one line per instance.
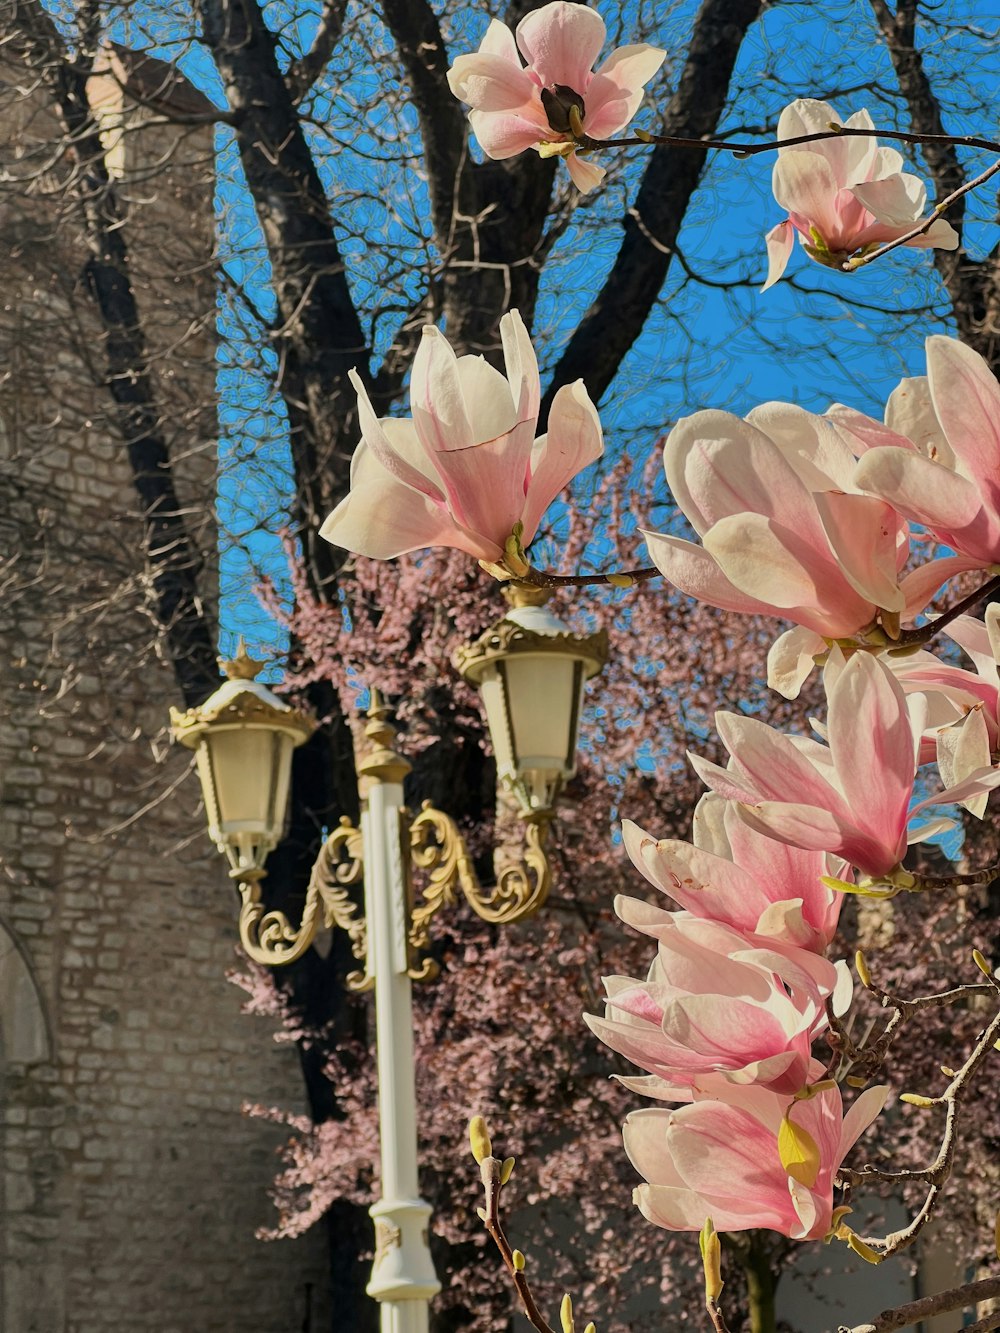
(816, 338)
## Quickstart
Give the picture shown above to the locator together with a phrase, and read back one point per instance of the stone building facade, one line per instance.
(132, 1182)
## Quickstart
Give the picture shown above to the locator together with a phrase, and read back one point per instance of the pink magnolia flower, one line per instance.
(467, 468)
(735, 875)
(937, 459)
(719, 1003)
(845, 195)
(784, 531)
(963, 723)
(852, 797)
(719, 1160)
(557, 95)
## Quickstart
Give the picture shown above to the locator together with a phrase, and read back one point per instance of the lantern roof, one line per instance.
(530, 627)
(240, 700)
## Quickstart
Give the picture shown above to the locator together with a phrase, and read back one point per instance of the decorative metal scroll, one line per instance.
(269, 937)
(438, 849)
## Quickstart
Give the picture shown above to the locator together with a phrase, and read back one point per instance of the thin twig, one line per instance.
(916, 638)
(717, 1317)
(937, 1174)
(490, 1168)
(753, 149)
(851, 264)
(544, 578)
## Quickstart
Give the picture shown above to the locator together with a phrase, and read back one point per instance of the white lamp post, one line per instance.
(531, 670)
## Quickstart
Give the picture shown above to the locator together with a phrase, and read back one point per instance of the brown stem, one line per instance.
(937, 1174)
(916, 638)
(957, 1298)
(490, 1169)
(717, 1317)
(753, 149)
(975, 878)
(544, 578)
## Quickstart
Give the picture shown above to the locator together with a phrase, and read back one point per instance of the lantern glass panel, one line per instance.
(247, 774)
(543, 695)
(532, 704)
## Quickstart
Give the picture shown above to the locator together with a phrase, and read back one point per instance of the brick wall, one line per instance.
(131, 1182)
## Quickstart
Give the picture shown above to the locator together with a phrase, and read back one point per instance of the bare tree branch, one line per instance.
(319, 338)
(619, 311)
(303, 73)
(958, 1298)
(973, 285)
(418, 39)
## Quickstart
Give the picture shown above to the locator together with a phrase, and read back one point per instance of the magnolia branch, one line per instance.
(916, 638)
(867, 1058)
(717, 1317)
(493, 1173)
(742, 150)
(626, 578)
(952, 1099)
(939, 208)
(944, 1302)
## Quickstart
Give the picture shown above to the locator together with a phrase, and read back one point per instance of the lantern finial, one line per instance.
(525, 594)
(242, 666)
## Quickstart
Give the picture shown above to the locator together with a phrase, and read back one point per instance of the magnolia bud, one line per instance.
(566, 1315)
(479, 1137)
(711, 1259)
(862, 968)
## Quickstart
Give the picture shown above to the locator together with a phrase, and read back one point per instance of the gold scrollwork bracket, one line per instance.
(438, 849)
(269, 938)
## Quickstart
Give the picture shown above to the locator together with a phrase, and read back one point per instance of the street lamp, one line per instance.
(531, 670)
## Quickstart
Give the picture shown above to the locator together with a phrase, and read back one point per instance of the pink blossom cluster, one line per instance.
(725, 1022)
(814, 519)
(739, 990)
(810, 518)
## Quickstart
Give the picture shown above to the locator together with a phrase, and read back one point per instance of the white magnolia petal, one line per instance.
(780, 242)
(382, 517)
(791, 658)
(897, 201)
(961, 750)
(586, 175)
(574, 440)
(521, 364)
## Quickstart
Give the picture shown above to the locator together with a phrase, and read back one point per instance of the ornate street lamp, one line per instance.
(531, 670)
(243, 737)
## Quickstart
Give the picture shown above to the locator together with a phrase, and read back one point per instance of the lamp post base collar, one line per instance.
(403, 1269)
